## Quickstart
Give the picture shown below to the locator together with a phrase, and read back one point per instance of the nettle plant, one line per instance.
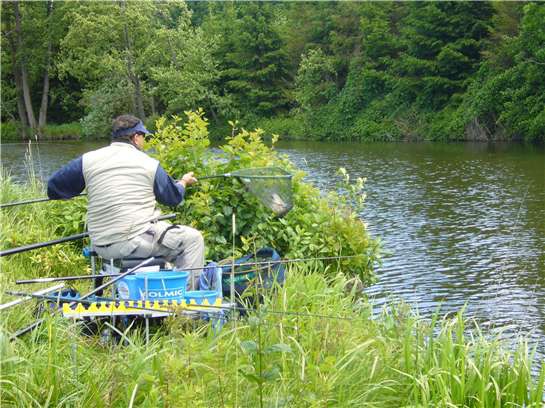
(317, 226)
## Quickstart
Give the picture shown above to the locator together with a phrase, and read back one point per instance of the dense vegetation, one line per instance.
(319, 70)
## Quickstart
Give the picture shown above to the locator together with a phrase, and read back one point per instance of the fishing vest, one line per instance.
(119, 180)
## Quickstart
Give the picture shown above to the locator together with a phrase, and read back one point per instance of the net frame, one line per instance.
(270, 185)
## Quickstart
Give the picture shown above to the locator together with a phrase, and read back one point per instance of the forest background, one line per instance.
(307, 70)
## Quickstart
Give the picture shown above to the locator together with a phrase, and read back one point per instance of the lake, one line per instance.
(460, 224)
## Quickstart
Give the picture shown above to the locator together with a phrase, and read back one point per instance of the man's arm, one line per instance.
(166, 190)
(67, 182)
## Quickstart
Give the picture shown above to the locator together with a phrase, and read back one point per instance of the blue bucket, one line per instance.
(163, 285)
(200, 295)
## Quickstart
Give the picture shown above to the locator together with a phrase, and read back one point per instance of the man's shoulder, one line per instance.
(121, 152)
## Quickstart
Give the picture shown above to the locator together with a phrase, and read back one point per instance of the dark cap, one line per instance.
(138, 128)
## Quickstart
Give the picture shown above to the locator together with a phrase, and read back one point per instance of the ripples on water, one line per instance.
(460, 223)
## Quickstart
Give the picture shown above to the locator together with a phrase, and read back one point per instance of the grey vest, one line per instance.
(119, 180)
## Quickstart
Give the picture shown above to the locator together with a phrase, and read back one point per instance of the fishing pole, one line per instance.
(243, 173)
(30, 247)
(173, 312)
(35, 200)
(120, 276)
(109, 275)
(265, 265)
(30, 295)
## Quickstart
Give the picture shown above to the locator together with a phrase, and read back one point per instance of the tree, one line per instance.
(442, 44)
(182, 69)
(508, 93)
(31, 35)
(253, 63)
(315, 81)
(106, 42)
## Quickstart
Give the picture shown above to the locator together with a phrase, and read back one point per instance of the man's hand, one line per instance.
(187, 179)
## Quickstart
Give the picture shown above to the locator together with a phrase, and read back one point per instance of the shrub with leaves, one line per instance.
(317, 226)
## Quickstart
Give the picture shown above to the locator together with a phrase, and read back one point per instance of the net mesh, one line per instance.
(271, 185)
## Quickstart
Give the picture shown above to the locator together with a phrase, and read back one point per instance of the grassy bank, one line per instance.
(12, 132)
(315, 342)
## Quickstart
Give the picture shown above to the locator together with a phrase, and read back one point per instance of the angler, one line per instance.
(123, 184)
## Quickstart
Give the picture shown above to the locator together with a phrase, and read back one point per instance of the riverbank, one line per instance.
(13, 132)
(313, 342)
(301, 127)
(332, 124)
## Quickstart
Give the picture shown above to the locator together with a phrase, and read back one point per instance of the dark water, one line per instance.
(461, 223)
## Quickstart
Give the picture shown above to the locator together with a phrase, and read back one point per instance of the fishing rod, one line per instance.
(173, 312)
(35, 200)
(30, 296)
(265, 265)
(275, 173)
(30, 247)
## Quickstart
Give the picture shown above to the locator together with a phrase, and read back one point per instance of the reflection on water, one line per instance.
(460, 223)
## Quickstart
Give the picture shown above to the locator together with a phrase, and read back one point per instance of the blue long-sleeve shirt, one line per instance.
(68, 182)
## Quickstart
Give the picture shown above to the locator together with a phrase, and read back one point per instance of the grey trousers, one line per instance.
(178, 244)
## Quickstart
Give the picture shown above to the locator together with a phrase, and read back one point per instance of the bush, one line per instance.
(10, 131)
(316, 227)
(102, 105)
(65, 131)
(287, 127)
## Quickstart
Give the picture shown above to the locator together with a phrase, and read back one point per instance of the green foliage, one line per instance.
(22, 225)
(507, 94)
(10, 131)
(315, 81)
(290, 127)
(315, 227)
(61, 132)
(182, 69)
(327, 70)
(102, 105)
(253, 64)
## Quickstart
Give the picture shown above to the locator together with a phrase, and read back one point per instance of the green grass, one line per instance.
(11, 132)
(324, 349)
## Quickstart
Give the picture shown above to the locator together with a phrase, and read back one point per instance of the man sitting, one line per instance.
(123, 184)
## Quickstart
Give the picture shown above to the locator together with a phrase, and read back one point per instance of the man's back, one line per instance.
(120, 182)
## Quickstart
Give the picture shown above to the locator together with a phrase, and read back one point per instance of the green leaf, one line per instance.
(271, 374)
(278, 348)
(249, 346)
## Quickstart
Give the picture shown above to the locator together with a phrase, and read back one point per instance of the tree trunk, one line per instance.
(152, 101)
(42, 120)
(138, 97)
(24, 75)
(134, 78)
(211, 108)
(18, 85)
